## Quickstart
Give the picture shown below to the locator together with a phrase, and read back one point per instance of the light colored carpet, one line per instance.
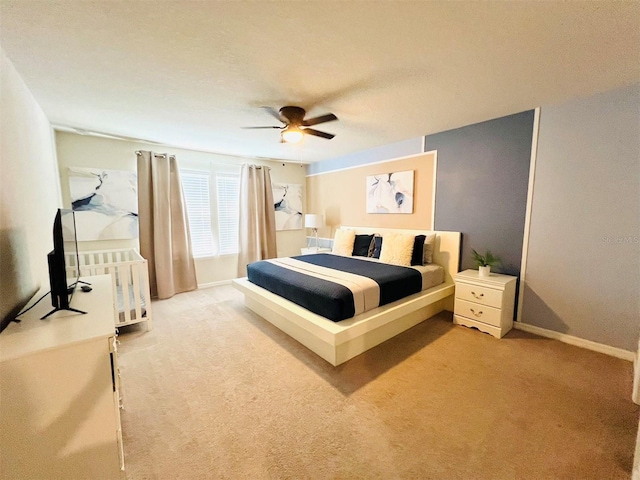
(214, 391)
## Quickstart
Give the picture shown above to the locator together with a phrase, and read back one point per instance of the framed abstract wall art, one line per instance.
(390, 192)
(105, 203)
(287, 199)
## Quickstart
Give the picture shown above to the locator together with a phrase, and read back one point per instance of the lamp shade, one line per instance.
(312, 220)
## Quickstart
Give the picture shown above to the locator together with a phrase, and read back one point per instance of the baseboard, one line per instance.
(636, 388)
(214, 284)
(578, 342)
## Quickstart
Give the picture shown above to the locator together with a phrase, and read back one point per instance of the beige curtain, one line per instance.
(164, 228)
(257, 221)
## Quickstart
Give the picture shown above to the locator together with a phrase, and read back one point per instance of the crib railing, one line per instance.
(129, 277)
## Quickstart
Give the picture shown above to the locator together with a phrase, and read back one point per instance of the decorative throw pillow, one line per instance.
(429, 247)
(377, 246)
(343, 242)
(362, 245)
(417, 256)
(397, 249)
(372, 246)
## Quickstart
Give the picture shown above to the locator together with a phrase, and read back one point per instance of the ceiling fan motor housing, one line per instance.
(292, 115)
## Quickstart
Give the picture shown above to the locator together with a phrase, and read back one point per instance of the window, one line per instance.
(195, 186)
(228, 188)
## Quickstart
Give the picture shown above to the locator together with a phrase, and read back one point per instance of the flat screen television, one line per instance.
(64, 261)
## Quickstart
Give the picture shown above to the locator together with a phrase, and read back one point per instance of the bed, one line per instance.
(338, 340)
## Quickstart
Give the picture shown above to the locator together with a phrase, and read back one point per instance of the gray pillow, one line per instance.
(429, 247)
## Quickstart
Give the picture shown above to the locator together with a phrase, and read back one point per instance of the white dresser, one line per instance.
(59, 413)
(485, 303)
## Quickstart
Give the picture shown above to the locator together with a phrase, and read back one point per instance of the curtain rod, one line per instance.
(139, 152)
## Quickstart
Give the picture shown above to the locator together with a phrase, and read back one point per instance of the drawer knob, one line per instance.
(476, 295)
(479, 314)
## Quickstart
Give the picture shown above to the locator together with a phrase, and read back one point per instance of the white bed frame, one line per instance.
(338, 342)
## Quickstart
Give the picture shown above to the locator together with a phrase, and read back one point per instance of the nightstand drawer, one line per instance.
(476, 294)
(480, 313)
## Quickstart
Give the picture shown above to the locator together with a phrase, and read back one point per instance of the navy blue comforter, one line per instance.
(329, 299)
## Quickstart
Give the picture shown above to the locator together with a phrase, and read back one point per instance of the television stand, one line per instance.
(60, 384)
(57, 309)
(70, 289)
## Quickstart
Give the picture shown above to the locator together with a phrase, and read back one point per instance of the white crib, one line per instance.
(130, 278)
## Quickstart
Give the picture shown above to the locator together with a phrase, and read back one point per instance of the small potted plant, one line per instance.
(484, 262)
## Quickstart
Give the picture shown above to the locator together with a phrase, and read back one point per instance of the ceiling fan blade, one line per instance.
(255, 128)
(330, 117)
(274, 113)
(318, 133)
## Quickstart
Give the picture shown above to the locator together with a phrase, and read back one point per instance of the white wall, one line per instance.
(583, 264)
(94, 152)
(29, 193)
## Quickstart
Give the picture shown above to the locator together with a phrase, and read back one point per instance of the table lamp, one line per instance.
(313, 221)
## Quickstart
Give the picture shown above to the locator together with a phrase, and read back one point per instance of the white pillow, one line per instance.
(397, 249)
(429, 247)
(343, 242)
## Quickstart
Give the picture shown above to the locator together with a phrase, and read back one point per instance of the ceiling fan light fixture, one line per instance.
(295, 126)
(292, 134)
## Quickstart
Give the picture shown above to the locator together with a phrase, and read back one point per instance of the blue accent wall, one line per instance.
(391, 151)
(481, 186)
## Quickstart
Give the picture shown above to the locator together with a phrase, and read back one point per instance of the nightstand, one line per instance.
(309, 250)
(485, 303)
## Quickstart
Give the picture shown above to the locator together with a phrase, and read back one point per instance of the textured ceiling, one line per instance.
(191, 74)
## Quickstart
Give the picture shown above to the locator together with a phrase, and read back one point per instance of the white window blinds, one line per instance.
(228, 189)
(195, 186)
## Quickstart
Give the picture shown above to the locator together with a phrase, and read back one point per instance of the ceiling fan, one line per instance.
(295, 125)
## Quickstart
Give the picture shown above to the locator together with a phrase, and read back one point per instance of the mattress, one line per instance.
(132, 303)
(338, 287)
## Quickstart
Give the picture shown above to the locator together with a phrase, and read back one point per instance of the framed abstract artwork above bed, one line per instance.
(390, 192)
